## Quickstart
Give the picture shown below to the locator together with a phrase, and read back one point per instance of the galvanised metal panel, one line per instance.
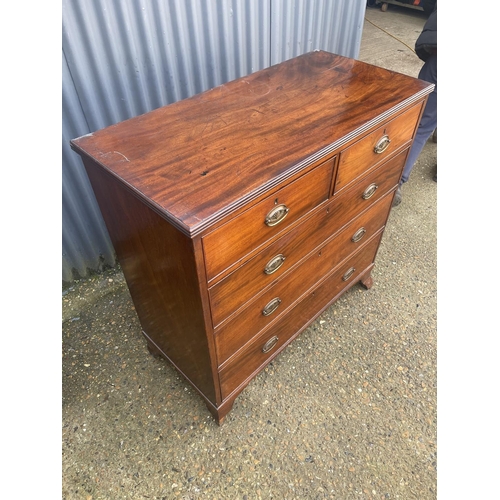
(301, 26)
(85, 241)
(122, 58)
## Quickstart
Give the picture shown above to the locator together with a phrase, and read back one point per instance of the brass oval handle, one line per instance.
(274, 264)
(348, 274)
(369, 191)
(382, 144)
(271, 306)
(270, 344)
(276, 215)
(358, 234)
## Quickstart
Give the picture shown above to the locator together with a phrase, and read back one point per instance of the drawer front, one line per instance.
(266, 219)
(369, 151)
(266, 346)
(237, 288)
(235, 333)
(368, 189)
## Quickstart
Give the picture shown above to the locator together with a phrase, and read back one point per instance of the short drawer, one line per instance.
(376, 147)
(368, 189)
(231, 293)
(266, 346)
(273, 303)
(241, 235)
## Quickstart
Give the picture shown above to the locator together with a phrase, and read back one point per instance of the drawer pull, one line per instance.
(274, 264)
(382, 144)
(270, 344)
(369, 191)
(348, 274)
(358, 234)
(276, 215)
(271, 307)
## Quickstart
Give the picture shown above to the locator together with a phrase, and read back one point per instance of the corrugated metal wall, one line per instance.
(122, 58)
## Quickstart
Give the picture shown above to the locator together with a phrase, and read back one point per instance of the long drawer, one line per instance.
(371, 150)
(237, 288)
(267, 345)
(235, 239)
(275, 302)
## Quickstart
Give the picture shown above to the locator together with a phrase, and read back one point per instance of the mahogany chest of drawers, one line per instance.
(240, 214)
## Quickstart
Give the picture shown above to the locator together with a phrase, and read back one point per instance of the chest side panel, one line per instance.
(158, 263)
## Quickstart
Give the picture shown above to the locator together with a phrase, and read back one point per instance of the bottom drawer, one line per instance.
(252, 358)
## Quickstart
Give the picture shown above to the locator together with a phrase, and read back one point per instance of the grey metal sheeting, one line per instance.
(125, 58)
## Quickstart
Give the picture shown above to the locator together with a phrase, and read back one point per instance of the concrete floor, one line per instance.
(347, 411)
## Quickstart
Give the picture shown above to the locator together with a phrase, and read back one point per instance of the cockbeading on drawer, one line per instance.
(267, 307)
(270, 342)
(265, 220)
(376, 147)
(235, 289)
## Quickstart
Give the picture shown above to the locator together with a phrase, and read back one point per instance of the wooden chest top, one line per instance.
(199, 159)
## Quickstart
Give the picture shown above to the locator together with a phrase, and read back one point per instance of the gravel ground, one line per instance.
(347, 411)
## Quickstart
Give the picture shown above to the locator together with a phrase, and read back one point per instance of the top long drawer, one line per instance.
(248, 231)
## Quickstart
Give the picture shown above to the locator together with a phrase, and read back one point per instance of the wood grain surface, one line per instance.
(199, 159)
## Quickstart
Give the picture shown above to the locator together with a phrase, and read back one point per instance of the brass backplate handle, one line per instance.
(270, 344)
(369, 191)
(274, 264)
(382, 144)
(348, 274)
(358, 234)
(271, 306)
(276, 215)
